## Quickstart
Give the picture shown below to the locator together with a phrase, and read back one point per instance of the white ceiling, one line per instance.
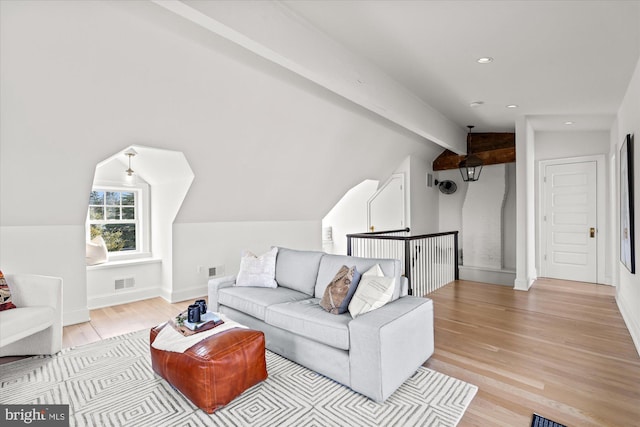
(557, 60)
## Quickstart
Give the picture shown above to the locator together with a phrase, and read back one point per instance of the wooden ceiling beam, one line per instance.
(491, 148)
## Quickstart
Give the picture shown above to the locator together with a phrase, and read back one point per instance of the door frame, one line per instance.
(602, 226)
(380, 190)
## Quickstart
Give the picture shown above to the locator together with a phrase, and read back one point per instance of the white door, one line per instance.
(386, 206)
(569, 221)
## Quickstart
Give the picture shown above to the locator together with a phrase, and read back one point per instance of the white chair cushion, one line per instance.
(21, 322)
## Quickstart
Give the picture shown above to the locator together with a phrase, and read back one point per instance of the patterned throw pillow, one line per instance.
(374, 291)
(338, 293)
(5, 294)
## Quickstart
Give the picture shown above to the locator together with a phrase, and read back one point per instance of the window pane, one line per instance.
(128, 199)
(120, 237)
(128, 213)
(113, 198)
(96, 198)
(113, 213)
(96, 213)
(96, 230)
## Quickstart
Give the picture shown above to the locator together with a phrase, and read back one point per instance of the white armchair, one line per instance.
(35, 327)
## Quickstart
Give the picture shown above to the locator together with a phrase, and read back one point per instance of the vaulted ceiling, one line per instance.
(557, 60)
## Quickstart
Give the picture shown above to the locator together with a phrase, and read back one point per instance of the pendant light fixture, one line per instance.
(130, 177)
(471, 166)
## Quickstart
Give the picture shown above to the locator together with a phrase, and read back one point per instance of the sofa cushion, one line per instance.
(308, 319)
(299, 269)
(24, 321)
(329, 264)
(254, 301)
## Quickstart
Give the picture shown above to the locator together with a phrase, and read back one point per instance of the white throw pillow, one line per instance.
(374, 271)
(97, 252)
(258, 271)
(374, 291)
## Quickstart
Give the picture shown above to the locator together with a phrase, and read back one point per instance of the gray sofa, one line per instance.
(372, 354)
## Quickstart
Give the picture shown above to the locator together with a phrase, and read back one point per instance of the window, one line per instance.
(116, 214)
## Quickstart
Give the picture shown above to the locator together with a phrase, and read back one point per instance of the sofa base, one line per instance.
(301, 350)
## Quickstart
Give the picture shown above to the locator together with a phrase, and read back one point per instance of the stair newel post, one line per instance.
(407, 264)
(455, 256)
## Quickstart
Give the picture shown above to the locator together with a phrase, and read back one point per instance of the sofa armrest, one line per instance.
(215, 285)
(404, 286)
(389, 344)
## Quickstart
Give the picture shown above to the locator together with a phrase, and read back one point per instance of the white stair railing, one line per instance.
(429, 261)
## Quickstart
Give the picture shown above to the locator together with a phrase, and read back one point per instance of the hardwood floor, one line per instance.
(561, 350)
(121, 319)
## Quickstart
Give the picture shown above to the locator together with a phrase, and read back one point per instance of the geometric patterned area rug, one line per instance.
(111, 383)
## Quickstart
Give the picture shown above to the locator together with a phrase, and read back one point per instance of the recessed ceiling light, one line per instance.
(568, 123)
(512, 106)
(484, 60)
(475, 104)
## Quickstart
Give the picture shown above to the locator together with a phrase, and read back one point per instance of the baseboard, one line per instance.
(122, 297)
(522, 284)
(185, 294)
(75, 316)
(488, 275)
(632, 326)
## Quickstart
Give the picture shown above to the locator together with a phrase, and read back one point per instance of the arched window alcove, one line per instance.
(132, 206)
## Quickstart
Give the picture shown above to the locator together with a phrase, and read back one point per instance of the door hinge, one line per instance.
(545, 257)
(544, 218)
(544, 179)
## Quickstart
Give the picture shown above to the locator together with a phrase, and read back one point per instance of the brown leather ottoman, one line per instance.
(217, 369)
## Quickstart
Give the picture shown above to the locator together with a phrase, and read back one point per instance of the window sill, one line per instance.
(124, 263)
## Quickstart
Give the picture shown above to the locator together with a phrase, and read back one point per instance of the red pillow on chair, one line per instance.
(5, 294)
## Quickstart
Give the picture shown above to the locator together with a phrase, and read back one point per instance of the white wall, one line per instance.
(349, 215)
(628, 290)
(559, 145)
(451, 207)
(424, 201)
(82, 80)
(101, 279)
(220, 245)
(525, 205)
(482, 214)
(509, 221)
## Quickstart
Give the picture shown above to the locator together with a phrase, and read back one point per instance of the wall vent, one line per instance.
(128, 282)
(218, 270)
